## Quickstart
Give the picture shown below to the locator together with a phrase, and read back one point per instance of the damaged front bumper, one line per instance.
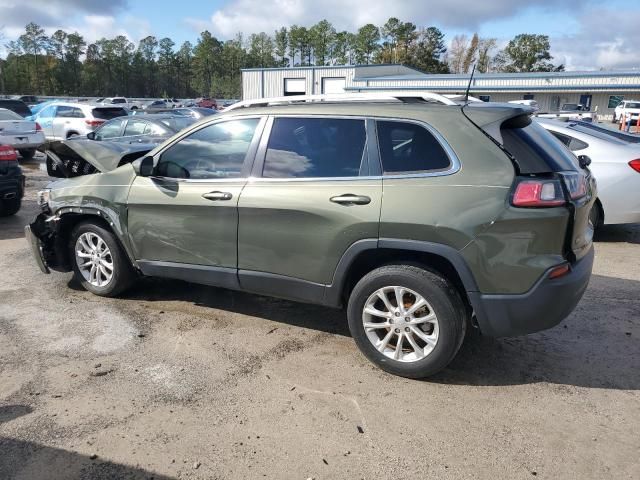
(47, 250)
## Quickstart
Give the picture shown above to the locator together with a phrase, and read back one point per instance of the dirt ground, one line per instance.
(181, 381)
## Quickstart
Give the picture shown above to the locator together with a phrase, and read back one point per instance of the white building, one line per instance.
(601, 89)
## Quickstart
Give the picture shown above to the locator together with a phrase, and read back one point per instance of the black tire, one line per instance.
(10, 207)
(437, 291)
(27, 153)
(72, 134)
(123, 273)
(596, 216)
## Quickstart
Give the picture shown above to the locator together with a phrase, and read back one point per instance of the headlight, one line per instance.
(43, 198)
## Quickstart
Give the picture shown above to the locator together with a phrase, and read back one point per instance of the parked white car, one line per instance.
(119, 102)
(627, 106)
(23, 135)
(615, 163)
(63, 120)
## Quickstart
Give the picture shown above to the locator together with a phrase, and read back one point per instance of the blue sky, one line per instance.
(585, 34)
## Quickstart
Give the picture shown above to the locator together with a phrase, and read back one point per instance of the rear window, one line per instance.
(536, 150)
(407, 147)
(603, 133)
(108, 113)
(9, 115)
(16, 106)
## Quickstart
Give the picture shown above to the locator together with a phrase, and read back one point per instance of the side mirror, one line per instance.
(584, 161)
(91, 135)
(143, 166)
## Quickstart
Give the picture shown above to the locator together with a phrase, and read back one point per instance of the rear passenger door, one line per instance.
(311, 196)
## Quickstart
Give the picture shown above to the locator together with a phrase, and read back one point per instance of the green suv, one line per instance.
(420, 219)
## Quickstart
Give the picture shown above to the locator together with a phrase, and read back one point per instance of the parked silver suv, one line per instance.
(63, 120)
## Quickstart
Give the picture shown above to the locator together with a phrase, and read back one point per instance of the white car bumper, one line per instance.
(21, 141)
(618, 187)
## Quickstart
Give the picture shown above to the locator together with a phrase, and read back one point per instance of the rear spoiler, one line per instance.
(491, 117)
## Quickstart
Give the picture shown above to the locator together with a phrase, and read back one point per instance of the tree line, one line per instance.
(65, 64)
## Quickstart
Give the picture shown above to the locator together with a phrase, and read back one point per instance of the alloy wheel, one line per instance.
(94, 259)
(400, 323)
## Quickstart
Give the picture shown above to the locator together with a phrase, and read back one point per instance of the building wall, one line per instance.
(549, 88)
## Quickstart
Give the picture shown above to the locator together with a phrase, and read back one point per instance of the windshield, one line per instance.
(632, 105)
(178, 123)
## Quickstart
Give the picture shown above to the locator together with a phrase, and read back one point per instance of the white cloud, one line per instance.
(252, 16)
(607, 39)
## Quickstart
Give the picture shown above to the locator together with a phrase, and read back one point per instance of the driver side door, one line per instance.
(183, 220)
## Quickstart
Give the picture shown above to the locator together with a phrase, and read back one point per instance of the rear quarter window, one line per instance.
(108, 113)
(536, 150)
(409, 148)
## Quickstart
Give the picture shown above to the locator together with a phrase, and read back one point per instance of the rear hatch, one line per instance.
(17, 127)
(538, 156)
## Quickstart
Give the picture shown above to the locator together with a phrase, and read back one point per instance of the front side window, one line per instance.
(315, 147)
(408, 147)
(213, 152)
(109, 130)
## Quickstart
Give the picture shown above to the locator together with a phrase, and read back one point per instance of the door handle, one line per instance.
(217, 196)
(351, 199)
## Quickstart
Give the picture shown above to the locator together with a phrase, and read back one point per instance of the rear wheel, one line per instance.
(406, 320)
(10, 207)
(596, 216)
(27, 153)
(99, 263)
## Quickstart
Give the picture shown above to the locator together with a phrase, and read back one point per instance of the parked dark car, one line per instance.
(141, 128)
(11, 181)
(17, 106)
(28, 99)
(206, 102)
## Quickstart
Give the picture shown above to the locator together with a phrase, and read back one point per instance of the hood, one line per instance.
(72, 158)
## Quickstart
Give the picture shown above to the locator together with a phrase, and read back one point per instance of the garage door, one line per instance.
(333, 85)
(295, 86)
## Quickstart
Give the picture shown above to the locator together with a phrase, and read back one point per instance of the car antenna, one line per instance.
(466, 93)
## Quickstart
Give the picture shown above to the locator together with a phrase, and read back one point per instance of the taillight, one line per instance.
(94, 123)
(635, 164)
(538, 193)
(576, 183)
(8, 153)
(38, 127)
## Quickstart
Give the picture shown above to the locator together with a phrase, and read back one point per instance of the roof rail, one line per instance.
(344, 98)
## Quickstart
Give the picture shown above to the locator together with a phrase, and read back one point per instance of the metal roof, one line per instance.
(499, 76)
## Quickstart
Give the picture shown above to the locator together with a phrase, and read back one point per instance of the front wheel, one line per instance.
(407, 320)
(99, 263)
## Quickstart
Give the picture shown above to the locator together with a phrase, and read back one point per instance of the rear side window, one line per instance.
(573, 143)
(69, 112)
(134, 127)
(109, 130)
(315, 147)
(109, 113)
(408, 147)
(536, 150)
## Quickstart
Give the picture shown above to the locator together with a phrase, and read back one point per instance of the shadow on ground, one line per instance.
(33, 461)
(11, 412)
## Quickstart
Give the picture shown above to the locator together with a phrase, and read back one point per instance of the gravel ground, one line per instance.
(181, 381)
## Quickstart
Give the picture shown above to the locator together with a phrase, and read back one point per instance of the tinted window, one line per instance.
(107, 113)
(134, 127)
(109, 130)
(604, 133)
(407, 147)
(315, 147)
(573, 143)
(69, 112)
(118, 100)
(16, 106)
(216, 151)
(536, 150)
(176, 124)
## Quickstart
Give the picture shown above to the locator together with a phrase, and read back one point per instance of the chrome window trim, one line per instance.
(454, 166)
